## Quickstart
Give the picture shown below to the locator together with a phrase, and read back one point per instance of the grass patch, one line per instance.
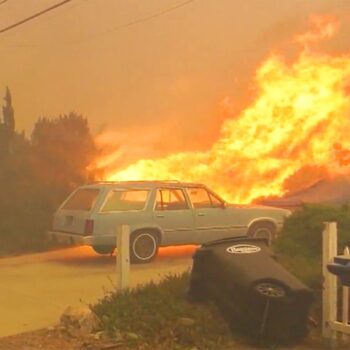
(158, 316)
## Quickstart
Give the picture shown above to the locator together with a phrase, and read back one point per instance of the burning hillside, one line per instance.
(295, 132)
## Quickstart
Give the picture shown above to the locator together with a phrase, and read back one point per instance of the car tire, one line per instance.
(103, 249)
(143, 247)
(263, 230)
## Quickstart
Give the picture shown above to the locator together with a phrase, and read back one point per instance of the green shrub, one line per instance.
(159, 315)
(299, 246)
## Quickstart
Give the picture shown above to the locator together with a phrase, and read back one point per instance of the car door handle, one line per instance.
(160, 216)
(201, 214)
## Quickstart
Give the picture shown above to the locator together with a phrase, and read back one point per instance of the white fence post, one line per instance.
(345, 316)
(329, 297)
(123, 256)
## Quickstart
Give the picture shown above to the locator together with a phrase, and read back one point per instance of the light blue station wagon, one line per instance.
(159, 213)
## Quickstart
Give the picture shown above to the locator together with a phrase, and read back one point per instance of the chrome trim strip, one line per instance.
(221, 227)
(208, 228)
(179, 229)
(78, 234)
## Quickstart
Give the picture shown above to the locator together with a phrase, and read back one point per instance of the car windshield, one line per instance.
(83, 199)
(125, 200)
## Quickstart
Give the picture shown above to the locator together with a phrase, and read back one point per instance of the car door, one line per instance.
(174, 215)
(211, 216)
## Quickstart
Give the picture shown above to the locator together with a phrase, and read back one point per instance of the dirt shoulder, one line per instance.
(42, 339)
(58, 339)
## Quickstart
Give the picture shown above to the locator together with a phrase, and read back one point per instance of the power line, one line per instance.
(38, 14)
(136, 21)
(149, 17)
(117, 28)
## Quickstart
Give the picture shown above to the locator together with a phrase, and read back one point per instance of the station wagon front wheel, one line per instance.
(265, 230)
(143, 247)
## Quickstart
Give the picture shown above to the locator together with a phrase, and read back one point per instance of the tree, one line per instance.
(8, 113)
(22, 211)
(38, 174)
(7, 126)
(63, 149)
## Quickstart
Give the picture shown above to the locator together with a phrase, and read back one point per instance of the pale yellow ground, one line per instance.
(35, 289)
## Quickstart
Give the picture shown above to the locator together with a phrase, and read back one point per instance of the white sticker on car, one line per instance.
(243, 249)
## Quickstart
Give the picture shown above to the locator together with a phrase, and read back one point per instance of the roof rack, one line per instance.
(133, 181)
(102, 182)
(176, 181)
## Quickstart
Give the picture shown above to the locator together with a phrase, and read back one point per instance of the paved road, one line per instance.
(35, 289)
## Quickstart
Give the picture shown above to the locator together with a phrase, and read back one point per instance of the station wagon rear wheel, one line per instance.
(143, 247)
(265, 230)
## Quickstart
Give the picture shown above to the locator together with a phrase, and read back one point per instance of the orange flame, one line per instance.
(323, 27)
(299, 120)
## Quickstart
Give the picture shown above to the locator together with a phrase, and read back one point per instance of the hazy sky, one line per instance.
(165, 80)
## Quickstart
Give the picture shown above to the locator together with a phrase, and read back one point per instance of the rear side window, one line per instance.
(125, 200)
(83, 199)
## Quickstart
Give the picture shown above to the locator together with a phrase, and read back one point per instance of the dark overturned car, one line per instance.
(257, 296)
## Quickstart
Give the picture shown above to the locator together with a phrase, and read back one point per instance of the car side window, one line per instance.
(201, 198)
(125, 200)
(171, 199)
(83, 199)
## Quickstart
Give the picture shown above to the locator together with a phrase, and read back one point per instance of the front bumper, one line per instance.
(70, 238)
